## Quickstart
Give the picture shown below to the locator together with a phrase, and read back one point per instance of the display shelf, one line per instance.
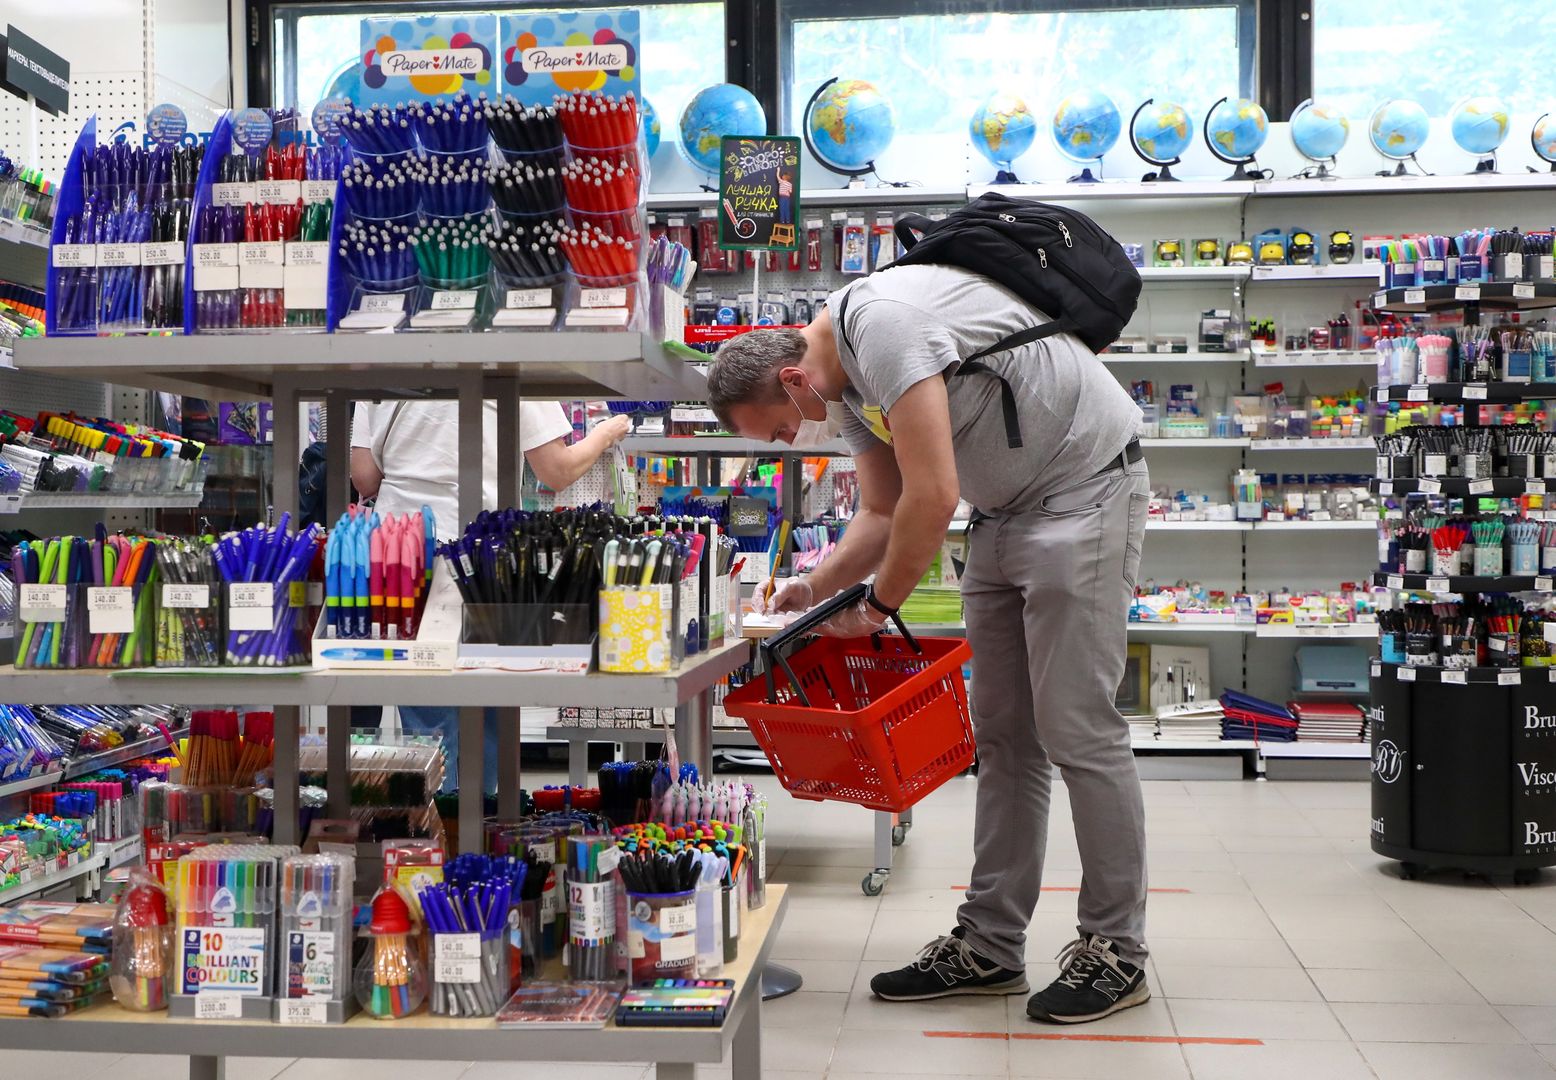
(107, 759)
(563, 365)
(1500, 486)
(1367, 631)
(1343, 443)
(1222, 746)
(1222, 627)
(868, 197)
(1320, 274)
(1434, 584)
(31, 783)
(1193, 274)
(1492, 393)
(1196, 443)
(1198, 526)
(1518, 295)
(23, 233)
(98, 500)
(45, 882)
(1406, 185)
(1171, 357)
(1358, 751)
(122, 852)
(722, 736)
(728, 445)
(1316, 526)
(7, 359)
(1480, 676)
(1319, 358)
(1115, 189)
(304, 686)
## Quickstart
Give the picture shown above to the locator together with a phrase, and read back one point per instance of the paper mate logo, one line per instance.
(549, 60)
(564, 53)
(435, 55)
(1387, 762)
(406, 63)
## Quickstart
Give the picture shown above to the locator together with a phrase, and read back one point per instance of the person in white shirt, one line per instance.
(405, 455)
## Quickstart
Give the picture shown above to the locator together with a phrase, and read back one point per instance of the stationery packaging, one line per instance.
(142, 945)
(390, 981)
(226, 921)
(315, 938)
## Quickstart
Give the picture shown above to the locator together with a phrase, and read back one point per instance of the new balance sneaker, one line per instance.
(946, 967)
(1094, 982)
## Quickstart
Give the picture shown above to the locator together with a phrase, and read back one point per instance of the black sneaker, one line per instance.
(946, 967)
(1095, 982)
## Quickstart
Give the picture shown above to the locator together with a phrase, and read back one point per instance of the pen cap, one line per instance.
(391, 915)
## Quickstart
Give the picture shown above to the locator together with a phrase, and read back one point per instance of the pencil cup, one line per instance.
(622, 222)
(1391, 646)
(732, 905)
(119, 625)
(626, 153)
(543, 843)
(73, 273)
(591, 921)
(710, 928)
(50, 626)
(1525, 559)
(450, 303)
(188, 625)
(390, 981)
(635, 629)
(469, 974)
(1488, 560)
(1503, 649)
(267, 624)
(1420, 649)
(1458, 651)
(531, 936)
(662, 935)
(1402, 275)
(1444, 563)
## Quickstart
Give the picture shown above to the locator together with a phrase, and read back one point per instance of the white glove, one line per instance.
(791, 594)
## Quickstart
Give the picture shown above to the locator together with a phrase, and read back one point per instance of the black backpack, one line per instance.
(1055, 258)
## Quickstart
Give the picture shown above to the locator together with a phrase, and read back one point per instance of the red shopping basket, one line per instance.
(879, 721)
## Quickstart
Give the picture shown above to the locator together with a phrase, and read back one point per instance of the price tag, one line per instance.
(1466, 292)
(162, 253)
(1396, 581)
(1510, 678)
(527, 298)
(1380, 394)
(1437, 584)
(1544, 584)
(455, 300)
(382, 303)
(43, 603)
(680, 919)
(1379, 299)
(1523, 292)
(1415, 296)
(1455, 678)
(318, 191)
(251, 605)
(216, 256)
(305, 1010)
(1534, 487)
(602, 298)
(1474, 391)
(1482, 487)
(1417, 392)
(1405, 674)
(1377, 669)
(220, 1006)
(73, 256)
(186, 596)
(232, 194)
(1429, 486)
(1550, 632)
(110, 610)
(285, 192)
(266, 254)
(1385, 487)
(608, 860)
(456, 958)
(307, 253)
(112, 255)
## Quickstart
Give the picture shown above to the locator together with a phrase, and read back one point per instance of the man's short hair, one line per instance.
(745, 371)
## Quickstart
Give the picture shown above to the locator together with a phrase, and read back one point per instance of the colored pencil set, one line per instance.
(228, 893)
(40, 981)
(283, 560)
(142, 945)
(378, 571)
(315, 932)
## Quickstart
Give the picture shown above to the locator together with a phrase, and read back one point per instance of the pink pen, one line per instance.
(389, 529)
(375, 586)
(410, 548)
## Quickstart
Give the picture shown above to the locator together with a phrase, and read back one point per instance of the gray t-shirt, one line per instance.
(913, 322)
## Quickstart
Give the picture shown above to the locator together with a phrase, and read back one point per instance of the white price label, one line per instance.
(527, 298)
(1396, 581)
(677, 948)
(1466, 292)
(162, 253)
(1379, 299)
(216, 256)
(111, 255)
(251, 606)
(268, 253)
(186, 596)
(454, 300)
(1534, 487)
(1510, 678)
(456, 958)
(608, 860)
(1474, 391)
(1550, 632)
(1523, 292)
(318, 191)
(232, 194)
(1406, 674)
(1377, 669)
(680, 919)
(285, 192)
(1437, 584)
(1385, 487)
(1429, 486)
(43, 603)
(602, 298)
(1415, 296)
(209, 1006)
(73, 256)
(1482, 487)
(382, 303)
(1455, 678)
(1544, 584)
(307, 253)
(110, 609)
(305, 1011)
(591, 911)
(1416, 392)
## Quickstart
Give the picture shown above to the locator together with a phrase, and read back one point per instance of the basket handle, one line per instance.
(773, 648)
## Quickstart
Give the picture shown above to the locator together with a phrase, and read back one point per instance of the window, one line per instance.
(315, 53)
(1434, 52)
(936, 68)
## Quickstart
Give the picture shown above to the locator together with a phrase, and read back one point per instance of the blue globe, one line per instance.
(1544, 138)
(1161, 131)
(715, 111)
(850, 125)
(1002, 128)
(651, 127)
(1319, 131)
(1479, 124)
(1237, 128)
(1086, 125)
(1398, 128)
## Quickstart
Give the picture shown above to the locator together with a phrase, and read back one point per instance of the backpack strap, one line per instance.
(974, 363)
(842, 325)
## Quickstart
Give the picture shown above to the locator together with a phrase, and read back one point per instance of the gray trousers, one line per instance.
(1046, 595)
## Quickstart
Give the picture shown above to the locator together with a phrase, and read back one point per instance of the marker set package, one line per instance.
(315, 939)
(226, 932)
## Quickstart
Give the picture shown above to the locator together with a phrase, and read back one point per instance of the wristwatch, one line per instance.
(875, 602)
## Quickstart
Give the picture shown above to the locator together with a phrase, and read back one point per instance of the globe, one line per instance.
(1236, 129)
(1479, 124)
(1086, 125)
(1398, 128)
(1544, 138)
(651, 128)
(714, 112)
(1319, 131)
(1002, 128)
(849, 125)
(1161, 131)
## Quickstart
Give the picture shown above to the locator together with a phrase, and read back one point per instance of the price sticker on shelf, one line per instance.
(518, 299)
(1429, 486)
(1482, 487)
(1550, 632)
(43, 603)
(116, 255)
(251, 605)
(162, 253)
(284, 192)
(1415, 296)
(602, 298)
(1474, 391)
(1405, 674)
(1510, 678)
(186, 597)
(308, 1010)
(1377, 669)
(1396, 581)
(1523, 292)
(1544, 584)
(318, 191)
(456, 958)
(1466, 292)
(382, 303)
(608, 860)
(110, 609)
(218, 1006)
(1456, 678)
(1417, 392)
(1534, 487)
(1380, 394)
(454, 300)
(1379, 299)
(1385, 487)
(1438, 584)
(73, 256)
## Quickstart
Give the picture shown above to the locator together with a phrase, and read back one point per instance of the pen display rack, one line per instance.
(315, 939)
(226, 912)
(528, 637)
(525, 303)
(84, 626)
(662, 935)
(169, 810)
(638, 628)
(188, 606)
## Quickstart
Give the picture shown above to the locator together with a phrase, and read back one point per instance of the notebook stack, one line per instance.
(1194, 721)
(1142, 728)
(1255, 719)
(1329, 721)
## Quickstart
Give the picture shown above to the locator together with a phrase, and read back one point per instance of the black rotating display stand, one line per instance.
(1464, 763)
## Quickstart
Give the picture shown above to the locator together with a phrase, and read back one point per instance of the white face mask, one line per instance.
(814, 433)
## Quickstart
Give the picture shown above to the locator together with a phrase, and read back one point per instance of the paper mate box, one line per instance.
(590, 50)
(431, 56)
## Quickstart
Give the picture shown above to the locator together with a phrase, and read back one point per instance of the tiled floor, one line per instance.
(1282, 948)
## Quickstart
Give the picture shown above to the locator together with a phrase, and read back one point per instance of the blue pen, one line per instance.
(359, 653)
(332, 581)
(363, 565)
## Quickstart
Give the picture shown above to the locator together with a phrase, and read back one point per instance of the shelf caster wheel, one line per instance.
(899, 835)
(1409, 871)
(1527, 875)
(874, 883)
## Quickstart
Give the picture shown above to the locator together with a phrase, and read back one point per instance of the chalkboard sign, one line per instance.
(759, 193)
